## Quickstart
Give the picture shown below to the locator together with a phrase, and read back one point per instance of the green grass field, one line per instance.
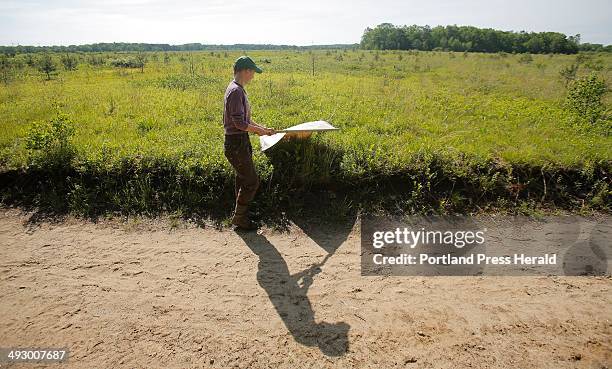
(420, 132)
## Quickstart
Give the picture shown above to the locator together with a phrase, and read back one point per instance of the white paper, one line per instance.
(320, 125)
(267, 142)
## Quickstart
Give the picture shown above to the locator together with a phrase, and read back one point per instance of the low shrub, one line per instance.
(127, 63)
(48, 143)
(584, 98)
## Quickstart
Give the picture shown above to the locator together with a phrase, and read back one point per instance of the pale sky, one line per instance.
(306, 22)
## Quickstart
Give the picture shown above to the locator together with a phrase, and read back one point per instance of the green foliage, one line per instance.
(141, 60)
(595, 47)
(568, 73)
(584, 97)
(7, 69)
(47, 65)
(582, 58)
(30, 61)
(130, 62)
(595, 64)
(70, 62)
(145, 125)
(386, 36)
(95, 60)
(49, 142)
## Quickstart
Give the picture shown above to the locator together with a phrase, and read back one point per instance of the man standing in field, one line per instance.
(237, 147)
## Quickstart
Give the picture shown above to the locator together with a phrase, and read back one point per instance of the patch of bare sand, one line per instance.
(124, 295)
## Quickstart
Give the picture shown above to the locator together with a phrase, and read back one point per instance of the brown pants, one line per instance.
(239, 153)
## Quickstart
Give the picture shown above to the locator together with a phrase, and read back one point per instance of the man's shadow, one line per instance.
(288, 293)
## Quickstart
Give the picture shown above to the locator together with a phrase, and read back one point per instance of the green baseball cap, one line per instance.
(244, 62)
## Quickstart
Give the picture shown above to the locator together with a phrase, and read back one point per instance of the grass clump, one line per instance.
(184, 82)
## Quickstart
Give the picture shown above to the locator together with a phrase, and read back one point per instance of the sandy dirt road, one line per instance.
(124, 294)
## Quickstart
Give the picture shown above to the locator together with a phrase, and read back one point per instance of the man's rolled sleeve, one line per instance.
(236, 111)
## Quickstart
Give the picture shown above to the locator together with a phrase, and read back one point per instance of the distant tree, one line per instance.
(141, 60)
(6, 69)
(30, 61)
(47, 65)
(70, 62)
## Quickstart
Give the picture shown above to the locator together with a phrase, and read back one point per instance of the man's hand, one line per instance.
(260, 130)
(263, 131)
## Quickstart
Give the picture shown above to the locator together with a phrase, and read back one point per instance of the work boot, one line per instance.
(241, 218)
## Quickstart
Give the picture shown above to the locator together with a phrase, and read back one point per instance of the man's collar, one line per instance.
(236, 82)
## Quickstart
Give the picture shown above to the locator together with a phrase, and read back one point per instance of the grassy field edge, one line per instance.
(432, 184)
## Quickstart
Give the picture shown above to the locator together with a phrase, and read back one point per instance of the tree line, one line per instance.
(142, 47)
(387, 36)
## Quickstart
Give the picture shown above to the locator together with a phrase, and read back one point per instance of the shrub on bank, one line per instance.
(584, 98)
